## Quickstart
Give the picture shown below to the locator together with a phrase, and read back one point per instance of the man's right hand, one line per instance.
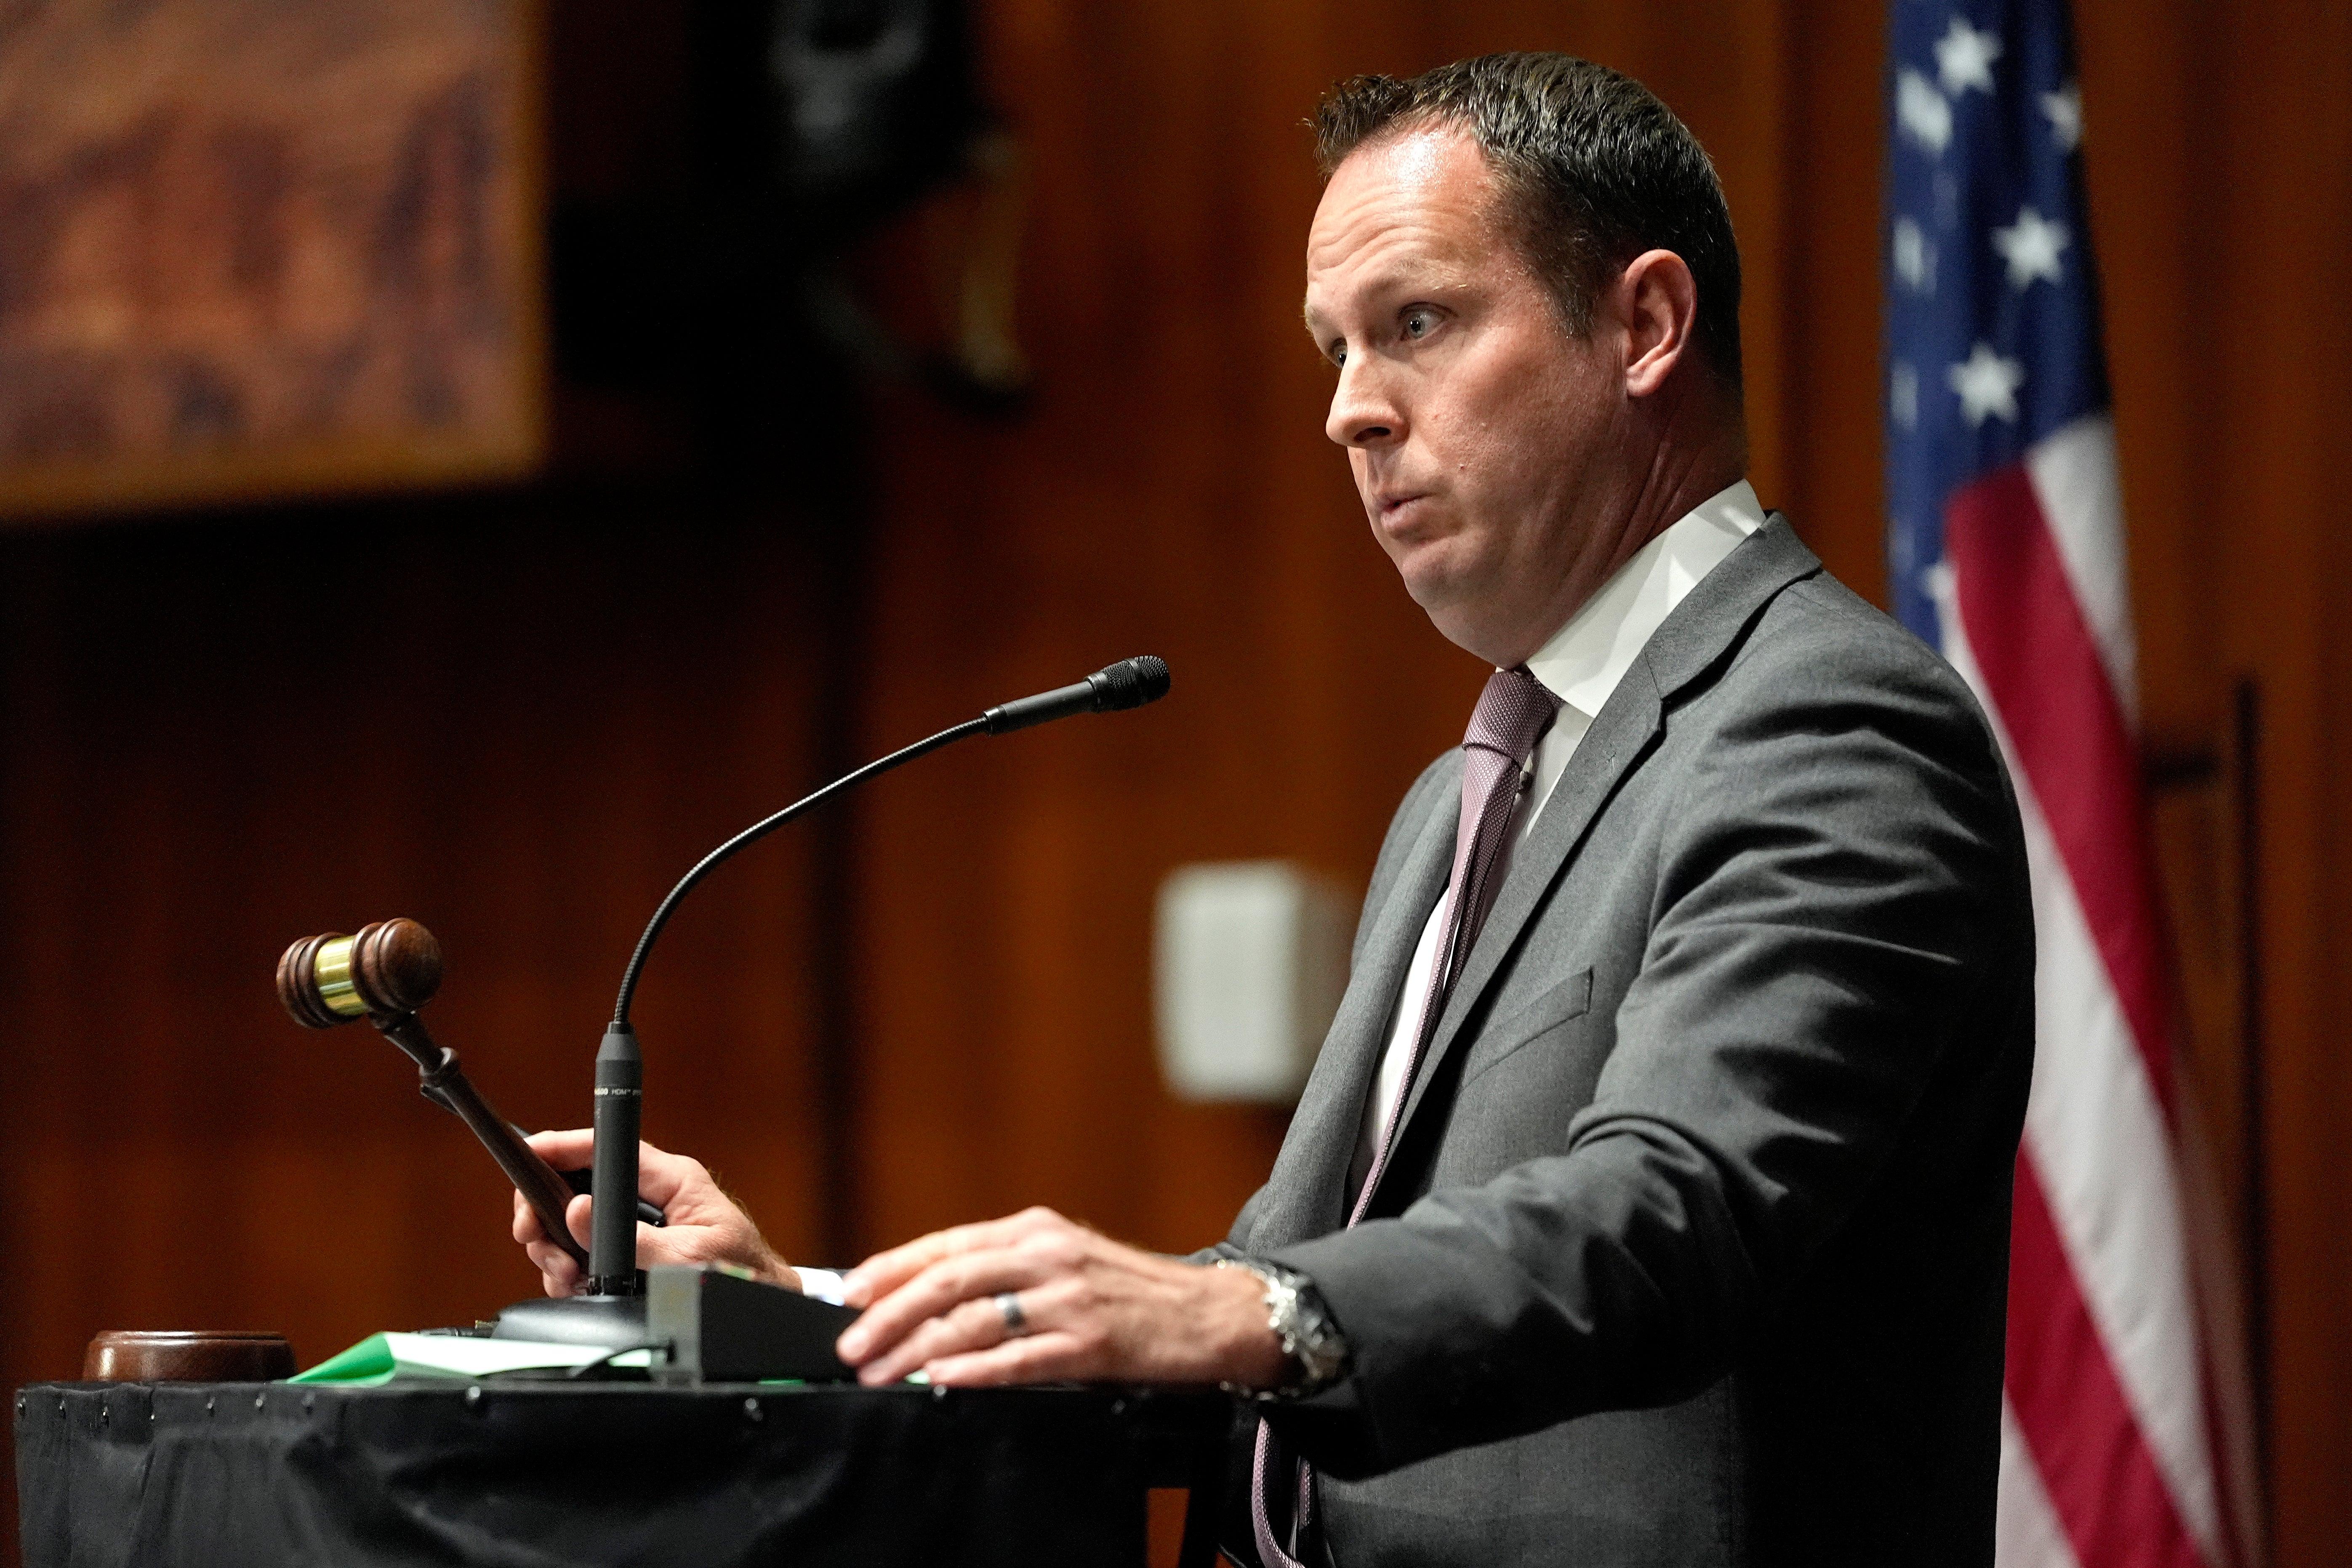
(703, 1224)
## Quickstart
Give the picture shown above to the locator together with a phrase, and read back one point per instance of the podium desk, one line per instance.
(537, 1475)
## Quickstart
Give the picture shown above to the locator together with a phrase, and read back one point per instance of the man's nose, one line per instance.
(1364, 411)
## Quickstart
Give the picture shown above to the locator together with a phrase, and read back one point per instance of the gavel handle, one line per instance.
(445, 1084)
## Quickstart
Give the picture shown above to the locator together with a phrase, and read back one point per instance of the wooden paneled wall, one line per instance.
(516, 716)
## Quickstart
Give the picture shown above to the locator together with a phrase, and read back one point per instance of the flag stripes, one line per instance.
(2005, 546)
(2101, 1477)
(2027, 1530)
(2110, 1295)
(2041, 671)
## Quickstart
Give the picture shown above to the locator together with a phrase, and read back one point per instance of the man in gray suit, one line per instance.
(1649, 1200)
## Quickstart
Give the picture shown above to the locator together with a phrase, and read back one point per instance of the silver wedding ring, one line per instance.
(1008, 1307)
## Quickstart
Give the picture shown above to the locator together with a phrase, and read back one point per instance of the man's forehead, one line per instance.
(1419, 201)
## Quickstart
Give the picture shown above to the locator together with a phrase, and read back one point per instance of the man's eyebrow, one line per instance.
(1390, 285)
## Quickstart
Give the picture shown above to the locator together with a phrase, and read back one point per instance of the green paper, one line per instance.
(365, 1365)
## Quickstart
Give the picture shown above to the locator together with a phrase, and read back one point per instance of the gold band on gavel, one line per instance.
(337, 986)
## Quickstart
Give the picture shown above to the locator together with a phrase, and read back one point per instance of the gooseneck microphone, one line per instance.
(619, 1070)
(1129, 683)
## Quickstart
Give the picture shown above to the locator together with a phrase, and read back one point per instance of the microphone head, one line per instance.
(1129, 683)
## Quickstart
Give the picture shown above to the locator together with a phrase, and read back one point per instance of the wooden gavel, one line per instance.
(385, 974)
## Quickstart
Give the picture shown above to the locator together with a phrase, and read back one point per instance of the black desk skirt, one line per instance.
(539, 1477)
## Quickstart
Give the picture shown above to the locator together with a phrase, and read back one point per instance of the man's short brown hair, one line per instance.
(1593, 169)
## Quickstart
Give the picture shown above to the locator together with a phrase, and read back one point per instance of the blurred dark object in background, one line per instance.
(814, 124)
(876, 104)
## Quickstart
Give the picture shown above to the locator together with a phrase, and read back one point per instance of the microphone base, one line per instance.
(614, 1323)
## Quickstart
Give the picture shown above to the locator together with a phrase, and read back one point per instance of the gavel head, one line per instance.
(389, 968)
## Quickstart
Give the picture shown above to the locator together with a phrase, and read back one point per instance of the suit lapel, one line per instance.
(1306, 1194)
(1698, 632)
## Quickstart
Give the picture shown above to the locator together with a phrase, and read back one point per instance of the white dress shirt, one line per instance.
(1580, 665)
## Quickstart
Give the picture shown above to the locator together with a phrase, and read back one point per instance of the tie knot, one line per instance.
(1513, 714)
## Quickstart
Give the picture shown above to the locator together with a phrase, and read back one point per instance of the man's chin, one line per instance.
(1455, 615)
(1450, 612)
(1431, 573)
(1432, 592)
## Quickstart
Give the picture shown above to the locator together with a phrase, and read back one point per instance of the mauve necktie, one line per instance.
(1513, 714)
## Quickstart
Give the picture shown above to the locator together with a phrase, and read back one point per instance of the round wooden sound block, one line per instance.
(186, 1355)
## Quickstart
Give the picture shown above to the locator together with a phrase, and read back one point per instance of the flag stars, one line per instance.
(2064, 110)
(2032, 247)
(1903, 397)
(1914, 258)
(1987, 384)
(1925, 114)
(1964, 58)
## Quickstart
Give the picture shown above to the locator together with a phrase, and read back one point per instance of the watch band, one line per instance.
(1309, 1337)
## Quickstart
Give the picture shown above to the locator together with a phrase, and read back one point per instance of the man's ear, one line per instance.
(1658, 299)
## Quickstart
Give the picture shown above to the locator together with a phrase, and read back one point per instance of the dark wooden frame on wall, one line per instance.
(252, 249)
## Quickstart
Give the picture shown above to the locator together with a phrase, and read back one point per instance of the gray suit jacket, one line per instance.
(1694, 1248)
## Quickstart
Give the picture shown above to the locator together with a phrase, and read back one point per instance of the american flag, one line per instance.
(2005, 548)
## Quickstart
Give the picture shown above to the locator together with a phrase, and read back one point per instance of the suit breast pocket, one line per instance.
(1551, 1012)
(1523, 1081)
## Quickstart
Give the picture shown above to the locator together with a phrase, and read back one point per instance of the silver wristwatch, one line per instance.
(1294, 1311)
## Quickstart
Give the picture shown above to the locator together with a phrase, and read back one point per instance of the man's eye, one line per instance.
(1340, 353)
(1417, 325)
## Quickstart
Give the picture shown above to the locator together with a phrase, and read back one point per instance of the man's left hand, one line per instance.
(1084, 1309)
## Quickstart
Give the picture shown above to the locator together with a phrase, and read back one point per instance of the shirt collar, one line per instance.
(1583, 662)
